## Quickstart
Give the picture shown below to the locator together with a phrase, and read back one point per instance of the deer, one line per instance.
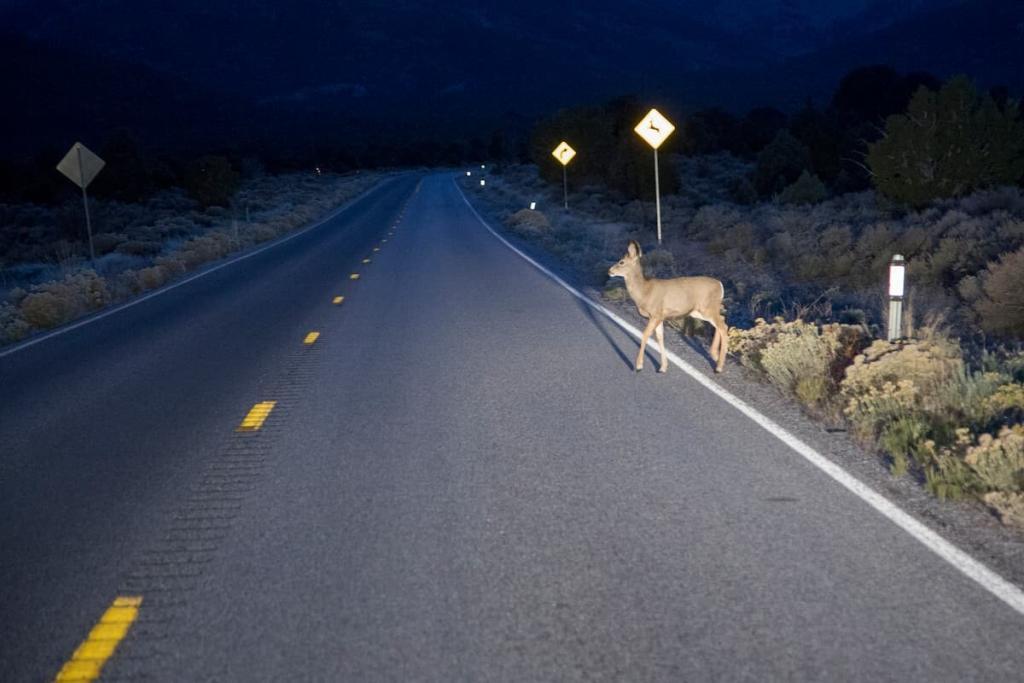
(659, 300)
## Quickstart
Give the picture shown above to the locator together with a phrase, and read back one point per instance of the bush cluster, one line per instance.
(150, 244)
(959, 429)
(802, 359)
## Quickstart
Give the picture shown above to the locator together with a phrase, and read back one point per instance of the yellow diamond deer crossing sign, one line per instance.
(654, 128)
(564, 153)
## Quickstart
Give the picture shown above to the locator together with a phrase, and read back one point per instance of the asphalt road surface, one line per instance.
(460, 479)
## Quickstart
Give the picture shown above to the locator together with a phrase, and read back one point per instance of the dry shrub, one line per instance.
(12, 325)
(151, 278)
(140, 247)
(890, 380)
(1009, 507)
(998, 460)
(261, 233)
(982, 465)
(200, 250)
(1007, 402)
(528, 222)
(1000, 306)
(106, 242)
(54, 303)
(800, 358)
(45, 310)
(615, 292)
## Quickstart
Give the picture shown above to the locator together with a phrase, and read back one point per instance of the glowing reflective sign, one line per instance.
(654, 128)
(564, 153)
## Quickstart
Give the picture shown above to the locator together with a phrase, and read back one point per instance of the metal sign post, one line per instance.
(564, 153)
(81, 166)
(654, 129)
(565, 187)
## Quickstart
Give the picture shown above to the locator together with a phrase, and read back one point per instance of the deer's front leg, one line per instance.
(651, 324)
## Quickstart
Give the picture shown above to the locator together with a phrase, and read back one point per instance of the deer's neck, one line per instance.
(637, 285)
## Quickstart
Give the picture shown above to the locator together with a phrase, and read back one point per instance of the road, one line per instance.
(460, 479)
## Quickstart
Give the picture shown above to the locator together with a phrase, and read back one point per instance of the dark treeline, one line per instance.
(825, 148)
(135, 170)
(806, 154)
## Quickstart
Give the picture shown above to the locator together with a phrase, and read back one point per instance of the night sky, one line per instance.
(214, 69)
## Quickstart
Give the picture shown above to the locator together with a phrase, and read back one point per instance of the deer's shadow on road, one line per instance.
(652, 353)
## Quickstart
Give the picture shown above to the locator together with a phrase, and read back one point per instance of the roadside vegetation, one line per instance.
(799, 216)
(47, 278)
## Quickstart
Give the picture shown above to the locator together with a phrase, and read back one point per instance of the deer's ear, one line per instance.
(633, 249)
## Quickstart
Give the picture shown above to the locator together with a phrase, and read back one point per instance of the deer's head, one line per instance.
(628, 262)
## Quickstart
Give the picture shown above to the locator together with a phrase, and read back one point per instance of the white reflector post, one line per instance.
(482, 182)
(897, 283)
(897, 273)
(533, 206)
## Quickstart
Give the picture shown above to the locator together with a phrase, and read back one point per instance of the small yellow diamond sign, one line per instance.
(564, 153)
(654, 128)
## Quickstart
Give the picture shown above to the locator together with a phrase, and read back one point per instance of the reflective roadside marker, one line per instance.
(257, 416)
(338, 300)
(469, 173)
(311, 338)
(533, 206)
(483, 166)
(482, 182)
(353, 276)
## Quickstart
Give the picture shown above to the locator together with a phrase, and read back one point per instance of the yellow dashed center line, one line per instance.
(353, 276)
(257, 416)
(338, 299)
(311, 338)
(88, 660)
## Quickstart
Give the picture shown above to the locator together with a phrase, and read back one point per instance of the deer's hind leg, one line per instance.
(722, 337)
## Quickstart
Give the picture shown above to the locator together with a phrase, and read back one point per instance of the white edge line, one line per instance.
(195, 276)
(969, 566)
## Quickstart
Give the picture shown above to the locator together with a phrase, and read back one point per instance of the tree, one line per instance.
(872, 93)
(757, 129)
(948, 144)
(211, 181)
(780, 164)
(708, 131)
(127, 174)
(808, 189)
(822, 136)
